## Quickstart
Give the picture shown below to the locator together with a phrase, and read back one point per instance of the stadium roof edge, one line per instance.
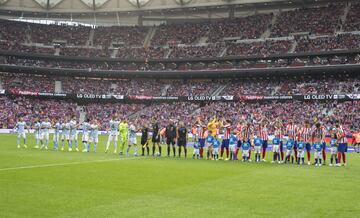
(113, 8)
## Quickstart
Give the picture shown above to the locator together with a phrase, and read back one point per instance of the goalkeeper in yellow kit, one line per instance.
(124, 133)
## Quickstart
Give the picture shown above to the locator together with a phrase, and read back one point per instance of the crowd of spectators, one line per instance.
(263, 48)
(123, 35)
(184, 33)
(13, 31)
(27, 82)
(328, 43)
(250, 27)
(31, 108)
(141, 53)
(303, 85)
(317, 20)
(205, 51)
(71, 35)
(353, 18)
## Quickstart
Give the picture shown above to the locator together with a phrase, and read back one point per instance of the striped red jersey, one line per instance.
(264, 132)
(342, 132)
(278, 132)
(291, 130)
(246, 132)
(239, 129)
(305, 133)
(201, 132)
(227, 132)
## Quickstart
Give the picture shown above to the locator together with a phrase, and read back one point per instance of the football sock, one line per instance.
(339, 157)
(308, 155)
(344, 157)
(227, 152)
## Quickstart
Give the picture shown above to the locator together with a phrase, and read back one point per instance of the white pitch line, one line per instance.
(65, 164)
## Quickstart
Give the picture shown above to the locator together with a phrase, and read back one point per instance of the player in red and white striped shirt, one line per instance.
(201, 129)
(239, 130)
(305, 134)
(278, 128)
(342, 140)
(264, 134)
(247, 132)
(226, 125)
(292, 130)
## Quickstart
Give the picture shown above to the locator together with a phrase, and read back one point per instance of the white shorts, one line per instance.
(215, 151)
(45, 136)
(276, 148)
(289, 152)
(333, 150)
(301, 153)
(232, 147)
(317, 154)
(73, 137)
(85, 137)
(94, 139)
(132, 141)
(245, 153)
(257, 149)
(113, 137)
(196, 151)
(22, 135)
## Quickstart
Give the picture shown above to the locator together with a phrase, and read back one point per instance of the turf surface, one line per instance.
(38, 183)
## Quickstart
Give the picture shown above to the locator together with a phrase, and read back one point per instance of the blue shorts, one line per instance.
(225, 143)
(265, 144)
(308, 147)
(324, 146)
(295, 145)
(202, 143)
(342, 147)
(239, 144)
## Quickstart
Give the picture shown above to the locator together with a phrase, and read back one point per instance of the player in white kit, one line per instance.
(73, 134)
(20, 130)
(132, 139)
(37, 127)
(94, 135)
(45, 129)
(85, 126)
(113, 135)
(56, 136)
(65, 133)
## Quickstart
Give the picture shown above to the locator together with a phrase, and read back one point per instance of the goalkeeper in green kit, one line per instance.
(124, 131)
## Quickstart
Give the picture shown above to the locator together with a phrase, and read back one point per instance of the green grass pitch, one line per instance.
(38, 183)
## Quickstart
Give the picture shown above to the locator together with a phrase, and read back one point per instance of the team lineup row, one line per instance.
(291, 139)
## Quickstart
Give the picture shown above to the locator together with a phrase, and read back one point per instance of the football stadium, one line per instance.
(179, 108)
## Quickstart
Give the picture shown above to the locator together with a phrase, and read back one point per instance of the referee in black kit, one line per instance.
(155, 136)
(181, 136)
(170, 134)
